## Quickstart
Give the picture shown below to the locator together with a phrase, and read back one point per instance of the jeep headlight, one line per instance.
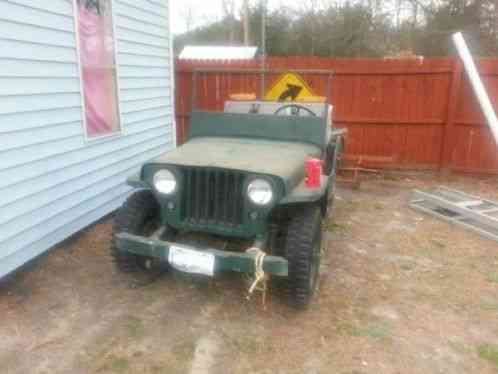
(164, 182)
(260, 192)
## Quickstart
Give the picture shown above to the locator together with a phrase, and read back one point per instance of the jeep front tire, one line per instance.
(303, 251)
(139, 215)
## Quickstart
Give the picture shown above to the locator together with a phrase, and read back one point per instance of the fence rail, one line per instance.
(400, 114)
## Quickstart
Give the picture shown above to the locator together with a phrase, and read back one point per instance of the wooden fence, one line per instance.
(400, 114)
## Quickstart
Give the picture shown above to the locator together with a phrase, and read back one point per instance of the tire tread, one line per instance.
(300, 240)
(137, 209)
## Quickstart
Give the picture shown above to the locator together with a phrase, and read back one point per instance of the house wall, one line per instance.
(54, 182)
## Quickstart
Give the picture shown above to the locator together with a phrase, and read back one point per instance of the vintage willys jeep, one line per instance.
(238, 182)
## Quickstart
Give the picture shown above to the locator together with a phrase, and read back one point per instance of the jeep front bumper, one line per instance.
(241, 262)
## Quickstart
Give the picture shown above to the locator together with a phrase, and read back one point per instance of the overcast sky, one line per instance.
(208, 11)
(203, 11)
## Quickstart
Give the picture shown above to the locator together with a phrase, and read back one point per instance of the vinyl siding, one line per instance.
(54, 182)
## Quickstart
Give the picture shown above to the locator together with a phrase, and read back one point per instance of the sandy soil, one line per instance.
(400, 293)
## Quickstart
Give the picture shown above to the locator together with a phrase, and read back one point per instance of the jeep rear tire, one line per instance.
(303, 251)
(139, 215)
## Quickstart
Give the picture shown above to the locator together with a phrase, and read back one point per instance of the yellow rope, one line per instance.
(259, 273)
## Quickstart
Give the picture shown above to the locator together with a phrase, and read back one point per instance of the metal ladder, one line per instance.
(456, 207)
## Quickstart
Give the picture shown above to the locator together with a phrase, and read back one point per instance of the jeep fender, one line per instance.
(136, 182)
(303, 194)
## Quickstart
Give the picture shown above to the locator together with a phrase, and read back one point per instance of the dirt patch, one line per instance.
(400, 292)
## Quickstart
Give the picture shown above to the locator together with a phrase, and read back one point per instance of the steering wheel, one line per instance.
(295, 109)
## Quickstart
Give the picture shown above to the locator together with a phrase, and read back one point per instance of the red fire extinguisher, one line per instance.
(314, 173)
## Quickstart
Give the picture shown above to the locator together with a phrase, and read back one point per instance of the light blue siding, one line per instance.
(33, 69)
(53, 181)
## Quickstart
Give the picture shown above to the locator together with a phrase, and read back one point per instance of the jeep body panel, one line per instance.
(321, 110)
(281, 159)
(301, 129)
(209, 162)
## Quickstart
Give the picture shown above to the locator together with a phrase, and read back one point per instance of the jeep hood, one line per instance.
(277, 158)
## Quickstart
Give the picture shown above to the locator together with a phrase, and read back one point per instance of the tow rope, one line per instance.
(260, 278)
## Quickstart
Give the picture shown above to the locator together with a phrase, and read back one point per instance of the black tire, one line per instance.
(332, 164)
(329, 158)
(334, 150)
(327, 201)
(139, 215)
(303, 252)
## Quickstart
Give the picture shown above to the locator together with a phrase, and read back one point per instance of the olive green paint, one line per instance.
(283, 160)
(303, 194)
(249, 228)
(284, 128)
(242, 262)
(136, 182)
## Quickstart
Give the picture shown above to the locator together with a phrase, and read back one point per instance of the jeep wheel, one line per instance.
(303, 251)
(139, 215)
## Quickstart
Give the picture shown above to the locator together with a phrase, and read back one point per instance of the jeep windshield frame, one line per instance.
(263, 73)
(308, 129)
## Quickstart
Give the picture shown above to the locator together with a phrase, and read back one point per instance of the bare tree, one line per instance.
(188, 14)
(229, 11)
(311, 10)
(350, 28)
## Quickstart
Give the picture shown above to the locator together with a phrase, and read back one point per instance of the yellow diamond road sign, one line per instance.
(289, 87)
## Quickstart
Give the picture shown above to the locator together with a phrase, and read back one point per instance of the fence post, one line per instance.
(449, 128)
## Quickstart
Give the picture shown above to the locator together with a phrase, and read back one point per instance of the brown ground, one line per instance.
(400, 293)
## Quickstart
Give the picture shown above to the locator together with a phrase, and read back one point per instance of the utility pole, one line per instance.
(247, 30)
(263, 47)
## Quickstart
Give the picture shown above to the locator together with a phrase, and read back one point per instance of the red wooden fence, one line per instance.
(400, 114)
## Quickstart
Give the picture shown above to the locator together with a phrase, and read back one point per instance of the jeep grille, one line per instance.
(212, 196)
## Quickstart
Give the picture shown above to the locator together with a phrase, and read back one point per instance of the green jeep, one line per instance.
(234, 198)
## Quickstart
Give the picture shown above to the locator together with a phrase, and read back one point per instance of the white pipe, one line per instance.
(475, 80)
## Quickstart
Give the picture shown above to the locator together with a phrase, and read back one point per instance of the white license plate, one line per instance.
(190, 261)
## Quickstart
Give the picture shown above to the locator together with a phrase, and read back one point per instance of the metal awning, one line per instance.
(218, 53)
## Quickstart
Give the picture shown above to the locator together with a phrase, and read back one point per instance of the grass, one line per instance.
(460, 347)
(120, 364)
(135, 327)
(407, 265)
(492, 277)
(379, 330)
(489, 306)
(438, 243)
(246, 342)
(184, 350)
(115, 364)
(332, 226)
(166, 368)
(378, 206)
(489, 353)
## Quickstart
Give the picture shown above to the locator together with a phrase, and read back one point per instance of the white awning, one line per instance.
(217, 53)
